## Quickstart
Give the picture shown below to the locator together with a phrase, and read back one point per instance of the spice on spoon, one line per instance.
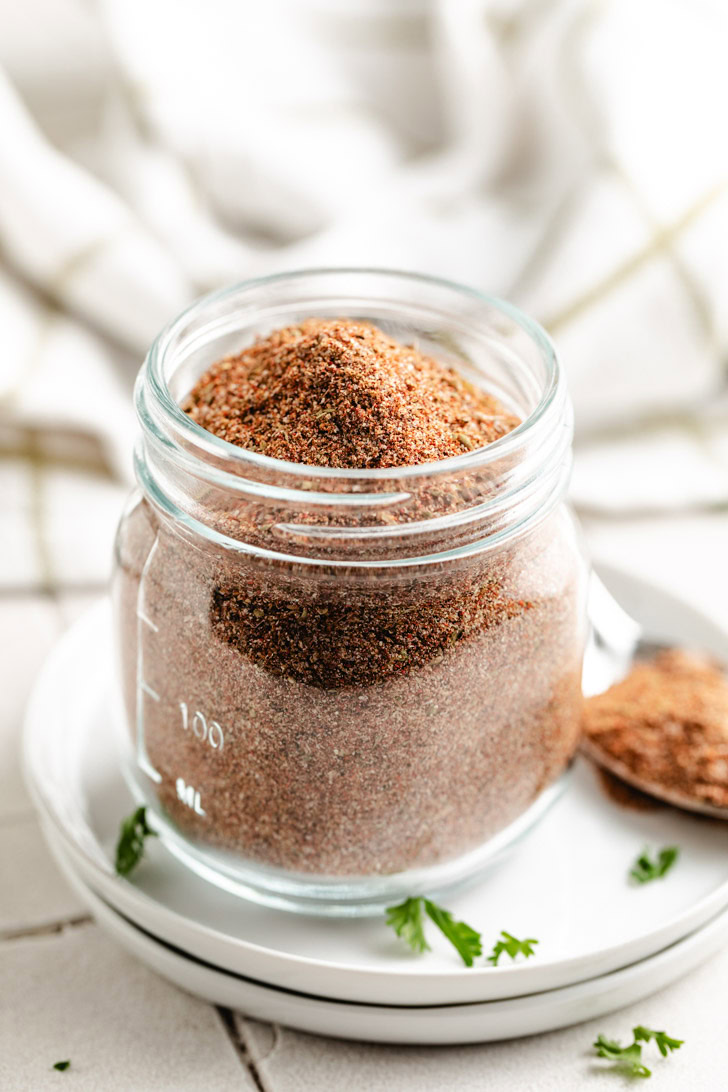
(666, 723)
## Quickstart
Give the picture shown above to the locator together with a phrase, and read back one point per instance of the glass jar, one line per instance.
(342, 687)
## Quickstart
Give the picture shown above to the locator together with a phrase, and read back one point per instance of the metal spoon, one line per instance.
(616, 641)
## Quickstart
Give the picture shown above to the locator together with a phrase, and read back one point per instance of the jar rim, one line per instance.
(152, 379)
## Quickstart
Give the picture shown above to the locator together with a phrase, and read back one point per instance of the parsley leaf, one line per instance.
(61, 1066)
(512, 947)
(664, 1043)
(645, 869)
(130, 847)
(406, 920)
(464, 939)
(628, 1059)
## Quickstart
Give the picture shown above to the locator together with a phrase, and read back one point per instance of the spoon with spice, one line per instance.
(663, 726)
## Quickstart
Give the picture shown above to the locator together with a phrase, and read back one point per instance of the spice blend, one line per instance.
(342, 394)
(348, 721)
(667, 721)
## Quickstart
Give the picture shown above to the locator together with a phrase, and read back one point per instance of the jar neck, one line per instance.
(431, 512)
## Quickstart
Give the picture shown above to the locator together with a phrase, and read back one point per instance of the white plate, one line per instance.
(566, 883)
(472, 1023)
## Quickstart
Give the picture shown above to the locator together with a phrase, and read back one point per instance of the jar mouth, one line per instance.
(424, 512)
(159, 409)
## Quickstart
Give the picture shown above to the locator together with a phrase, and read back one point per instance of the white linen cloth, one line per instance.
(567, 154)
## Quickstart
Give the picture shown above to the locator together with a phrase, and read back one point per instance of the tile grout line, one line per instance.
(251, 1045)
(47, 929)
(227, 1020)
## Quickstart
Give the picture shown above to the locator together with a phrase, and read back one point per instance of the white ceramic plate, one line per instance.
(565, 884)
(471, 1023)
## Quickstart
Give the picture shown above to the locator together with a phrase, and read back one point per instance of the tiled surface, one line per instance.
(289, 1061)
(34, 894)
(74, 993)
(28, 628)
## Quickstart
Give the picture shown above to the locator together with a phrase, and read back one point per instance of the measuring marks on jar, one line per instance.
(207, 731)
(145, 692)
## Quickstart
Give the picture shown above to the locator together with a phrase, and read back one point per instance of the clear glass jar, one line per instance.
(344, 687)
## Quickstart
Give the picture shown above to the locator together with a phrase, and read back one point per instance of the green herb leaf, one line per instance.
(628, 1059)
(464, 939)
(665, 1044)
(61, 1066)
(645, 869)
(512, 947)
(130, 847)
(406, 920)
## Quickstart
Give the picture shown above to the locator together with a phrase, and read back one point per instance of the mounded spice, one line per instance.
(667, 722)
(348, 721)
(332, 392)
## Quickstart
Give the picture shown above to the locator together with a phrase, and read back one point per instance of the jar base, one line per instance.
(356, 896)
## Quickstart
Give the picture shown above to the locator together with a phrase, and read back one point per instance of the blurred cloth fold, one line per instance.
(569, 155)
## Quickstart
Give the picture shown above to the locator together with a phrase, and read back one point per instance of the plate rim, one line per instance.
(570, 970)
(708, 938)
(67, 865)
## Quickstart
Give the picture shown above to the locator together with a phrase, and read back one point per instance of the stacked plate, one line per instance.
(603, 942)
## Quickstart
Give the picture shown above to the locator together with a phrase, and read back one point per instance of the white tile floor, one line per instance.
(559, 1062)
(35, 895)
(28, 627)
(77, 996)
(66, 991)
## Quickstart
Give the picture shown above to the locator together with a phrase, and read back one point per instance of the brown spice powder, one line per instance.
(619, 792)
(667, 721)
(338, 393)
(373, 720)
